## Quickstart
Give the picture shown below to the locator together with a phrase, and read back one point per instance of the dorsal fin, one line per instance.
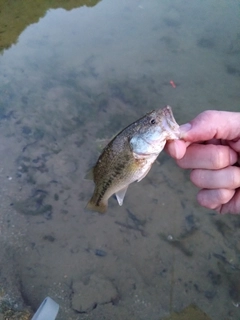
(89, 174)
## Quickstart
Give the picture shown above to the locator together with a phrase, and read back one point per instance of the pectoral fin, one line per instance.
(89, 175)
(144, 174)
(101, 144)
(121, 194)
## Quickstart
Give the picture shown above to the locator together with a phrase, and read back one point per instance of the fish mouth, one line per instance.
(170, 124)
(167, 112)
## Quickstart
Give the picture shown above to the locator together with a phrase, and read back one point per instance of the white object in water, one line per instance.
(48, 310)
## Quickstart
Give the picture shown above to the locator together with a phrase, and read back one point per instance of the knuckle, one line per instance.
(234, 177)
(220, 158)
(213, 199)
(196, 177)
(201, 198)
(223, 196)
(205, 199)
(208, 115)
(182, 163)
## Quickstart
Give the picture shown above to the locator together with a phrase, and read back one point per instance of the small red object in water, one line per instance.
(172, 83)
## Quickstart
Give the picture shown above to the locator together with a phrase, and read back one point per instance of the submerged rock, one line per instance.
(11, 309)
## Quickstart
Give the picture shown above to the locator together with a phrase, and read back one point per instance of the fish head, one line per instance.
(153, 130)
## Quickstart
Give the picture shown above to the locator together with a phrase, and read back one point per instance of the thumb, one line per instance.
(212, 124)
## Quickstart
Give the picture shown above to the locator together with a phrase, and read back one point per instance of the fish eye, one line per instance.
(152, 121)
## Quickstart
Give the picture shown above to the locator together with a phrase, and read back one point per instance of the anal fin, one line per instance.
(120, 195)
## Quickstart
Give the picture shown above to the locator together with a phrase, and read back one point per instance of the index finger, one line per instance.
(176, 148)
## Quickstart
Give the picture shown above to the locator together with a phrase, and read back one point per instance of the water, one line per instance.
(71, 75)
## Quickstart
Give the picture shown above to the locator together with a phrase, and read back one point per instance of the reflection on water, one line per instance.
(73, 77)
(17, 15)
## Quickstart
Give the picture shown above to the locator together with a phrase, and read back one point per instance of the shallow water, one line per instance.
(71, 75)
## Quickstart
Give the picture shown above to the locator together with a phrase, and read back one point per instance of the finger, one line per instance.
(235, 145)
(233, 206)
(213, 199)
(227, 178)
(176, 148)
(212, 124)
(199, 156)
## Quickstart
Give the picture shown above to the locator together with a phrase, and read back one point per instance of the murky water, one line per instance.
(71, 74)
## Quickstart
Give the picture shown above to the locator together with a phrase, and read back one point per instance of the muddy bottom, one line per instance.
(62, 91)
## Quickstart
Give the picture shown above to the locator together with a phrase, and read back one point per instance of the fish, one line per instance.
(129, 156)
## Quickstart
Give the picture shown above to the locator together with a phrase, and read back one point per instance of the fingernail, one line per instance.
(184, 129)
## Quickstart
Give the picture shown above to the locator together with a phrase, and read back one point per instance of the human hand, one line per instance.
(210, 146)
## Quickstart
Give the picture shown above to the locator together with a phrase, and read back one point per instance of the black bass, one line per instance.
(129, 156)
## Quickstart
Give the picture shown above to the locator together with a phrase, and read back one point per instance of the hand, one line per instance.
(211, 147)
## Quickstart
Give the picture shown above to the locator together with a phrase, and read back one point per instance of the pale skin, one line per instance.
(210, 146)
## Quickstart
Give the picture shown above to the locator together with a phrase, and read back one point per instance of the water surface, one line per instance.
(71, 75)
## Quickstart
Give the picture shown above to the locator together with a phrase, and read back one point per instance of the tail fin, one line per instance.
(101, 208)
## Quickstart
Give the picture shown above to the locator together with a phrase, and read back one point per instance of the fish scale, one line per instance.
(129, 156)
